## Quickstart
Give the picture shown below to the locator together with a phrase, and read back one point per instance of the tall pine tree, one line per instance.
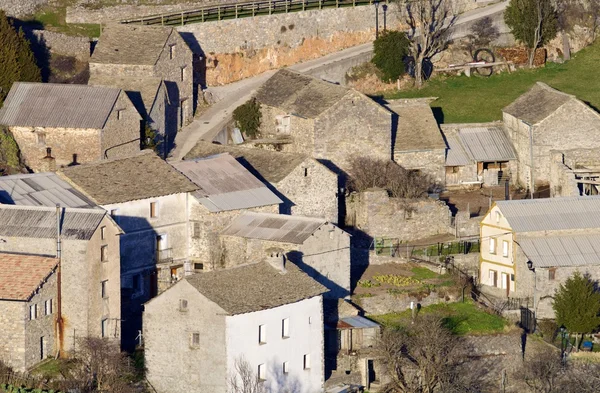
(17, 62)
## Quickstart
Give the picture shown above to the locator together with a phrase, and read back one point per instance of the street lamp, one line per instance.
(376, 19)
(530, 267)
(562, 344)
(384, 8)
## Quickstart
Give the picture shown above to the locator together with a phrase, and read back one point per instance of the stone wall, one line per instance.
(91, 14)
(120, 137)
(42, 326)
(20, 8)
(62, 44)
(378, 215)
(386, 303)
(12, 333)
(429, 162)
(562, 178)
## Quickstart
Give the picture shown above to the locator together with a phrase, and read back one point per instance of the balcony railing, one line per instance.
(164, 256)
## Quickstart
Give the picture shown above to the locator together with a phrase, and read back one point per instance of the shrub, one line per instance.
(549, 330)
(522, 18)
(247, 118)
(9, 150)
(389, 51)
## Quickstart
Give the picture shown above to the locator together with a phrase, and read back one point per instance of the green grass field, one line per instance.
(476, 99)
(460, 318)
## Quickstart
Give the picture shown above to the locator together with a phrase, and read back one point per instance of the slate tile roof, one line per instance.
(270, 165)
(141, 91)
(255, 287)
(417, 127)
(22, 274)
(298, 94)
(131, 44)
(142, 176)
(40, 222)
(58, 105)
(537, 104)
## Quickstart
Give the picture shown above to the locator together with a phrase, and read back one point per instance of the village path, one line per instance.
(229, 97)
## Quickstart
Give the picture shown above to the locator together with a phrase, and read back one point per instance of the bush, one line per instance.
(389, 51)
(366, 173)
(247, 118)
(549, 330)
(9, 150)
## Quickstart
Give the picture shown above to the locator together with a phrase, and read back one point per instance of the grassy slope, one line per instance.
(476, 99)
(460, 318)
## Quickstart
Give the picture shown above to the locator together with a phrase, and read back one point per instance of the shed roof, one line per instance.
(273, 227)
(255, 287)
(356, 322)
(299, 94)
(40, 222)
(557, 251)
(131, 44)
(40, 189)
(22, 274)
(58, 105)
(550, 214)
(456, 154)
(271, 165)
(142, 176)
(141, 91)
(537, 104)
(417, 127)
(469, 145)
(225, 184)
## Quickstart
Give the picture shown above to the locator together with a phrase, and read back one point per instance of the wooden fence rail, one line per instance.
(242, 10)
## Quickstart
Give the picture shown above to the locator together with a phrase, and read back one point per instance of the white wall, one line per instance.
(306, 337)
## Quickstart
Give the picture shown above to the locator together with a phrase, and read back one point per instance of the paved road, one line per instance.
(229, 97)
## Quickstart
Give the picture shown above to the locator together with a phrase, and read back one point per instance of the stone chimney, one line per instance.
(48, 163)
(276, 258)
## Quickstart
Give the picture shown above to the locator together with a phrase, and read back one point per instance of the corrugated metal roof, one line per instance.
(40, 189)
(40, 222)
(356, 322)
(529, 215)
(273, 227)
(486, 144)
(456, 155)
(556, 251)
(225, 184)
(58, 105)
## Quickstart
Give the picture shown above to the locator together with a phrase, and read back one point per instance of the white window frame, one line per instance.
(33, 312)
(504, 277)
(306, 361)
(285, 328)
(283, 124)
(492, 245)
(262, 372)
(505, 248)
(48, 307)
(262, 334)
(492, 277)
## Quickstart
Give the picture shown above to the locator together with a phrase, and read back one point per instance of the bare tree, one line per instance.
(244, 380)
(425, 358)
(543, 372)
(429, 23)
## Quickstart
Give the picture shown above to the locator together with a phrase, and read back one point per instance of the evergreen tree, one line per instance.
(577, 305)
(389, 51)
(17, 62)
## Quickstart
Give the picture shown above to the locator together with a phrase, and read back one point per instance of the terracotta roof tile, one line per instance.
(21, 275)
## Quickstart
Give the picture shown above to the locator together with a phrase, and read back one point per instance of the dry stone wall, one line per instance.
(18, 8)
(62, 44)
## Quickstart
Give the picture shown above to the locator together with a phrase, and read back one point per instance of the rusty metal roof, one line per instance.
(40, 222)
(273, 227)
(225, 184)
(556, 251)
(40, 189)
(22, 274)
(58, 105)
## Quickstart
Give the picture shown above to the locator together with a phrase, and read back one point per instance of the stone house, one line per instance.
(545, 119)
(306, 187)
(27, 308)
(575, 172)
(57, 125)
(89, 263)
(302, 114)
(478, 154)
(148, 52)
(319, 248)
(147, 197)
(557, 235)
(266, 316)
(226, 189)
(150, 97)
(417, 139)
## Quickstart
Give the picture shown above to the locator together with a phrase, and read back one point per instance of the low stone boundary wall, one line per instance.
(62, 44)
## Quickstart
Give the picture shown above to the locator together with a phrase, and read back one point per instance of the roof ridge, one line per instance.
(551, 200)
(285, 216)
(68, 85)
(553, 90)
(51, 208)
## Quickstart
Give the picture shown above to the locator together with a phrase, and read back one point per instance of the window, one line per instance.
(512, 277)
(42, 347)
(195, 340)
(306, 361)
(262, 372)
(492, 245)
(282, 124)
(504, 280)
(305, 172)
(104, 253)
(552, 273)
(48, 307)
(262, 334)
(498, 216)
(120, 113)
(33, 312)
(285, 328)
(196, 230)
(493, 278)
(183, 305)
(198, 266)
(153, 210)
(104, 285)
(286, 367)
(183, 72)
(103, 233)
(504, 248)
(41, 138)
(171, 51)
(309, 320)
(104, 328)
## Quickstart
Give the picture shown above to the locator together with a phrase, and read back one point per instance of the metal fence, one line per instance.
(242, 10)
